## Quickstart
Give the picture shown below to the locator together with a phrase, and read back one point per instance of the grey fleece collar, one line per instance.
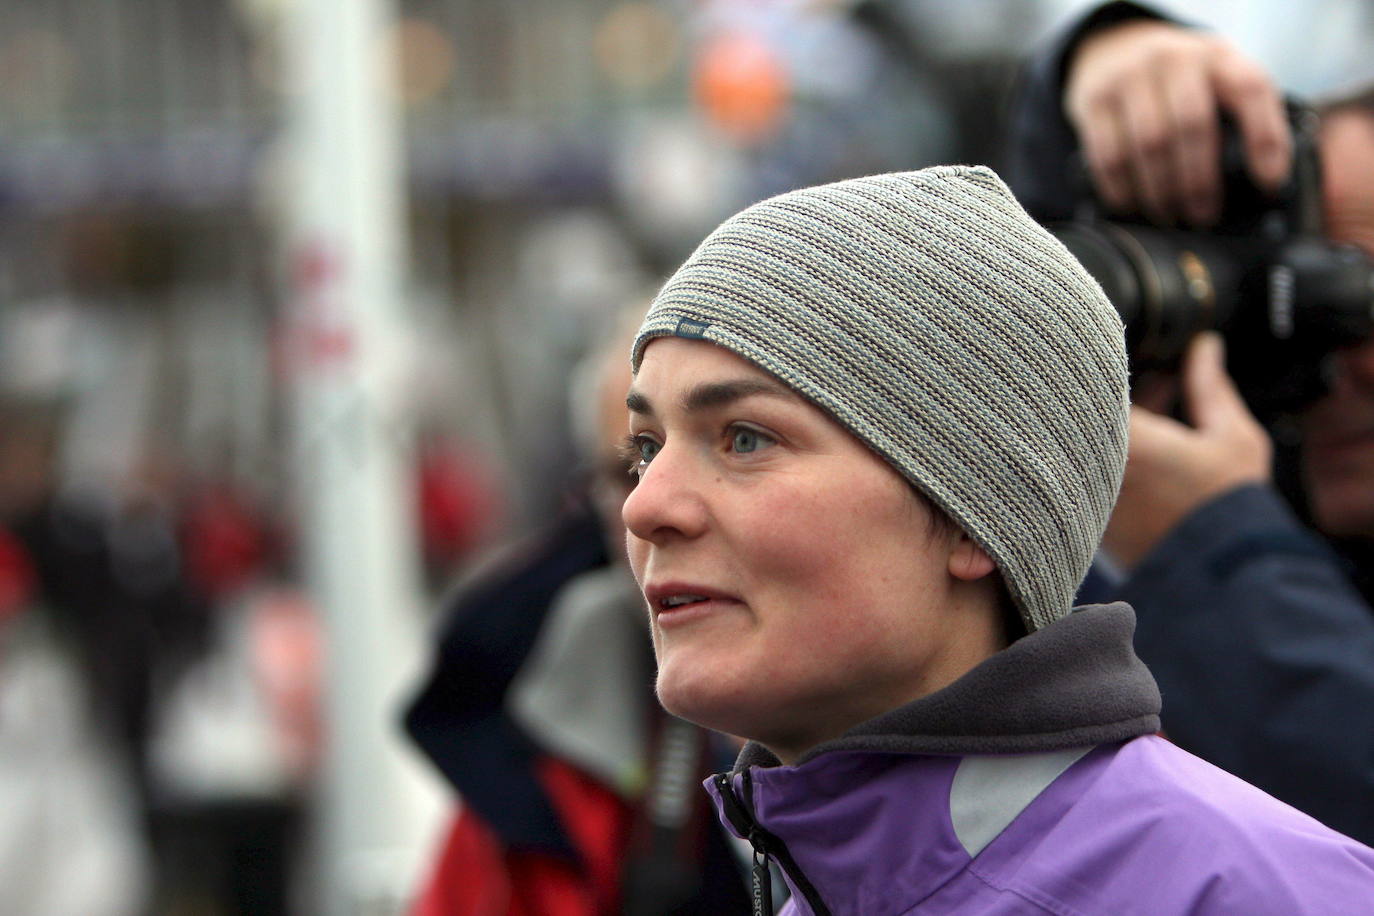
(581, 692)
(1074, 683)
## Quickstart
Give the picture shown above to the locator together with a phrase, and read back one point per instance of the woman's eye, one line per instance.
(744, 440)
(637, 452)
(646, 449)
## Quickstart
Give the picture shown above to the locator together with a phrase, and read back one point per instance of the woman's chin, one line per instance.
(709, 699)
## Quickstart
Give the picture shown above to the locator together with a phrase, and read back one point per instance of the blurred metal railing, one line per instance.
(172, 102)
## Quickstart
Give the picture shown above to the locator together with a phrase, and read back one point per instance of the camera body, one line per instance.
(1265, 277)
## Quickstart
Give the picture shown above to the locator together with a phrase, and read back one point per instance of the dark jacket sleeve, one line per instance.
(1264, 652)
(1042, 164)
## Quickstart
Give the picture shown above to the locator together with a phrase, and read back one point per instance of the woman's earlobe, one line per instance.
(968, 561)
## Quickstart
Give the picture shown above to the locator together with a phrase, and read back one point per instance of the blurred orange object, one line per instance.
(742, 84)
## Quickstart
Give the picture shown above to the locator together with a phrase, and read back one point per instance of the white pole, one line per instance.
(346, 255)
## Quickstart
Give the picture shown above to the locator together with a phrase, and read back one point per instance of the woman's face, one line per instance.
(793, 579)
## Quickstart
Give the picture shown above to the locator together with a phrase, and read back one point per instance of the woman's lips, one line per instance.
(675, 603)
(687, 613)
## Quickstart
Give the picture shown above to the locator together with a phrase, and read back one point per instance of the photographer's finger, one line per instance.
(1104, 152)
(1149, 144)
(1269, 149)
(1247, 92)
(1240, 448)
(1210, 397)
(1197, 144)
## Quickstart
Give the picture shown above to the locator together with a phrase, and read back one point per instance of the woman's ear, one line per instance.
(968, 561)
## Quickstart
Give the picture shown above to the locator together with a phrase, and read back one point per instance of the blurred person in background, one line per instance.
(158, 687)
(158, 673)
(72, 830)
(1254, 614)
(235, 742)
(578, 795)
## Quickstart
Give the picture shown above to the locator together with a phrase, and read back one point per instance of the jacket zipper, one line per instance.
(740, 813)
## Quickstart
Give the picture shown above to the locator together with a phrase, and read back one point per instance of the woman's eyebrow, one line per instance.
(713, 394)
(638, 403)
(718, 394)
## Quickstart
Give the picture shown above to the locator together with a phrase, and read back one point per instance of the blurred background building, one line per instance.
(161, 643)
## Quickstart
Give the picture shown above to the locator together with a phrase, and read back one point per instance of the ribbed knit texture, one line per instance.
(930, 316)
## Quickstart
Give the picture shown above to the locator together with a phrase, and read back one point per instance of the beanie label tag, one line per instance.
(696, 330)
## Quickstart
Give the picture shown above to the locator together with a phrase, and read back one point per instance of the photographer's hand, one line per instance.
(1144, 98)
(1174, 468)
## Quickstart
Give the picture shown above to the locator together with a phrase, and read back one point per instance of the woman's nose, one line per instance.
(667, 502)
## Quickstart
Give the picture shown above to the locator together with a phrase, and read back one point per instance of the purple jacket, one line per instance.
(1033, 785)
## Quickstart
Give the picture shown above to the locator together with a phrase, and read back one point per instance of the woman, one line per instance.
(879, 427)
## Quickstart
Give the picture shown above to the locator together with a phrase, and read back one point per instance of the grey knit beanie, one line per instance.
(934, 319)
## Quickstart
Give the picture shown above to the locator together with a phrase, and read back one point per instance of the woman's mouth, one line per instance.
(674, 603)
(677, 601)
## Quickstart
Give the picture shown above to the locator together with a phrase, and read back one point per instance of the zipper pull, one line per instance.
(741, 818)
(738, 810)
(763, 879)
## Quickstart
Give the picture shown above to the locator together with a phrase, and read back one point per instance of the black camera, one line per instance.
(1265, 277)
